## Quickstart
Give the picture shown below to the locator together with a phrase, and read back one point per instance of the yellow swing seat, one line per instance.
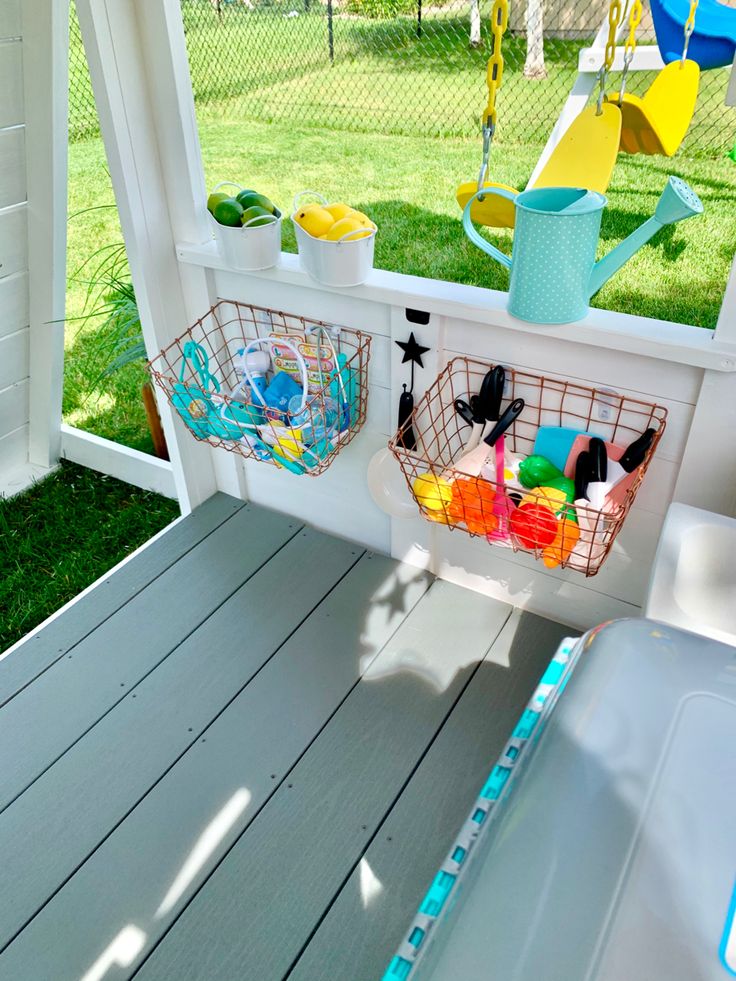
(657, 122)
(494, 210)
(584, 157)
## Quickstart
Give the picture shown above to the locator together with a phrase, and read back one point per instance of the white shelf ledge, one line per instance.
(679, 343)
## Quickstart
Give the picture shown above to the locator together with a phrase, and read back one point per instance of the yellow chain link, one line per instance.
(634, 21)
(614, 19)
(689, 26)
(494, 70)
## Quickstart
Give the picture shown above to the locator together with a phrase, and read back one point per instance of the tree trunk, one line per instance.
(534, 64)
(475, 39)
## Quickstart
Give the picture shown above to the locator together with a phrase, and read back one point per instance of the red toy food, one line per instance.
(533, 526)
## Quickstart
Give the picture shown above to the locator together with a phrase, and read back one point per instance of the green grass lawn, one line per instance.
(391, 128)
(62, 535)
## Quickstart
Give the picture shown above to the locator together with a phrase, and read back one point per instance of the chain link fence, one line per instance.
(414, 67)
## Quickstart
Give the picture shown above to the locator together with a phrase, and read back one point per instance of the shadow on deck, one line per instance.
(244, 754)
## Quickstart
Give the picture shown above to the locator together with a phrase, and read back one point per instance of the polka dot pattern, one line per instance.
(553, 257)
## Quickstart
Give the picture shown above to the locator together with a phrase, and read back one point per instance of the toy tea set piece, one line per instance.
(553, 269)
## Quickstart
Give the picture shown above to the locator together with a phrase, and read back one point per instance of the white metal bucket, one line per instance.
(347, 262)
(249, 248)
(343, 263)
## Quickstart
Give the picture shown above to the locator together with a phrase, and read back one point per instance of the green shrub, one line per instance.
(381, 9)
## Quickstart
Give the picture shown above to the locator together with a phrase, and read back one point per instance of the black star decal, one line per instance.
(413, 351)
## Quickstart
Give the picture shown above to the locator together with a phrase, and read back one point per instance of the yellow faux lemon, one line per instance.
(339, 210)
(349, 227)
(363, 219)
(433, 493)
(314, 219)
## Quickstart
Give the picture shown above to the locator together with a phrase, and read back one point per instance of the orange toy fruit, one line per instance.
(472, 505)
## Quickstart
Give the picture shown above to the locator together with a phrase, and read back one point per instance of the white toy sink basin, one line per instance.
(693, 582)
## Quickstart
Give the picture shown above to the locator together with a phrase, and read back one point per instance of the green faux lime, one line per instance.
(247, 192)
(250, 199)
(260, 216)
(214, 199)
(228, 212)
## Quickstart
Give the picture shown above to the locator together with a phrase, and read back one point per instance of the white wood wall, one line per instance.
(14, 293)
(33, 167)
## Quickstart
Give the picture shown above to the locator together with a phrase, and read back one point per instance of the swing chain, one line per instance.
(494, 78)
(630, 45)
(614, 19)
(689, 28)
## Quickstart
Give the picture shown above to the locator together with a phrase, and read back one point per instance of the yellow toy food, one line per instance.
(314, 219)
(339, 210)
(433, 494)
(364, 220)
(349, 228)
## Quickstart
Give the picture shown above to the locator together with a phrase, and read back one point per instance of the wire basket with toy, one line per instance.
(530, 463)
(267, 385)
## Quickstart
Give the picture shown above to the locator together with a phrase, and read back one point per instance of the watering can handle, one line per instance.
(475, 237)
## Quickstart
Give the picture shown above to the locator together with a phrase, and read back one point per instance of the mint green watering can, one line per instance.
(553, 267)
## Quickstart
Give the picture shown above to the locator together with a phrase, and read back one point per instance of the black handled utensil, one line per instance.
(491, 396)
(635, 453)
(582, 469)
(511, 414)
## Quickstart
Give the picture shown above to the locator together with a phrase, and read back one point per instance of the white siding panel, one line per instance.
(13, 407)
(13, 303)
(14, 358)
(13, 451)
(11, 83)
(12, 166)
(13, 241)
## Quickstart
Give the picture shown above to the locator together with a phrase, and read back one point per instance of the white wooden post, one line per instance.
(45, 85)
(140, 76)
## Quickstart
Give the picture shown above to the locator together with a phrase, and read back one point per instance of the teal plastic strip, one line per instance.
(532, 720)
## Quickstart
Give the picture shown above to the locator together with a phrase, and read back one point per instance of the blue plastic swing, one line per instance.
(713, 41)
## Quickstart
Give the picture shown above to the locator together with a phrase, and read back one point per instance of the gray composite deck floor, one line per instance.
(244, 755)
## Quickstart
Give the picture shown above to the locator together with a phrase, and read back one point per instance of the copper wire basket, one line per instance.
(201, 374)
(482, 507)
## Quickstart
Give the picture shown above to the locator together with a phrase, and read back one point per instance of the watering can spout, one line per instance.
(678, 201)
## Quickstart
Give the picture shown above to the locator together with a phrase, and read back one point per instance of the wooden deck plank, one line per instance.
(51, 642)
(369, 918)
(44, 836)
(258, 908)
(123, 899)
(47, 717)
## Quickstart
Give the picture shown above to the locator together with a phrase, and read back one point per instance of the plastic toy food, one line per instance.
(536, 470)
(568, 535)
(247, 207)
(314, 219)
(252, 199)
(472, 505)
(349, 227)
(334, 222)
(432, 493)
(533, 526)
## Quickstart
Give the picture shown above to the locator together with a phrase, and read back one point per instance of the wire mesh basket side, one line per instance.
(207, 391)
(479, 506)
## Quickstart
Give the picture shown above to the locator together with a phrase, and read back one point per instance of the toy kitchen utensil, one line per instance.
(615, 471)
(553, 269)
(471, 463)
(473, 415)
